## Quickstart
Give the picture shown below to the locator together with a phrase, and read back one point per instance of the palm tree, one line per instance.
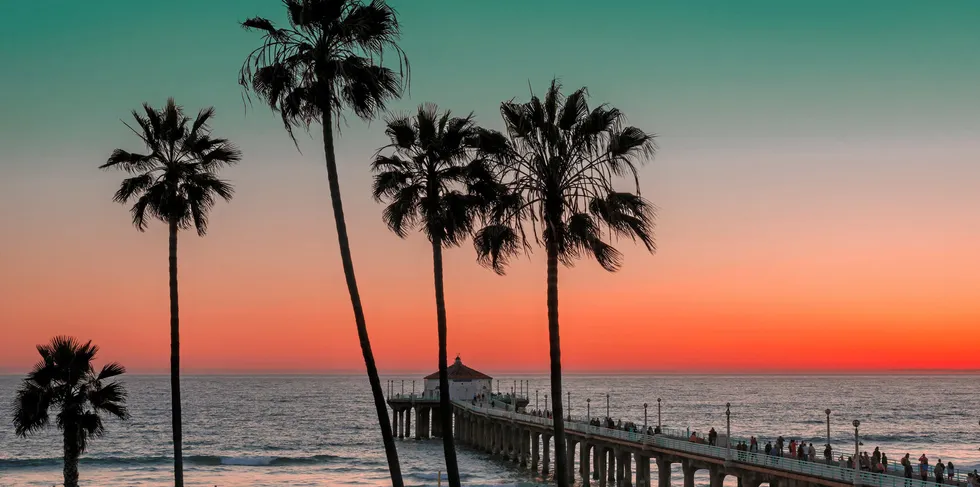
(435, 183)
(176, 182)
(326, 61)
(65, 379)
(559, 160)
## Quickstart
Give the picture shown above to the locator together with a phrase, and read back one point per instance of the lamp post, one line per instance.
(644, 418)
(857, 472)
(403, 387)
(658, 413)
(588, 409)
(607, 404)
(413, 387)
(536, 400)
(728, 432)
(545, 402)
(827, 411)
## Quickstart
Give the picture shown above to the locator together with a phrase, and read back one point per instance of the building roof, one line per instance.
(458, 371)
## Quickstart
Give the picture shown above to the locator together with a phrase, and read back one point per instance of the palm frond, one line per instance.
(30, 409)
(495, 245)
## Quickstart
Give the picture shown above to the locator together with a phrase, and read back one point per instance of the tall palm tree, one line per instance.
(560, 161)
(328, 60)
(434, 182)
(65, 379)
(175, 181)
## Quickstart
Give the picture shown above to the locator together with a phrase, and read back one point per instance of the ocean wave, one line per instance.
(203, 460)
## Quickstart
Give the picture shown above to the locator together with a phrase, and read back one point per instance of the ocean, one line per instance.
(322, 430)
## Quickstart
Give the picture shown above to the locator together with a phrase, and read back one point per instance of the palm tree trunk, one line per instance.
(561, 468)
(175, 362)
(71, 456)
(448, 444)
(355, 299)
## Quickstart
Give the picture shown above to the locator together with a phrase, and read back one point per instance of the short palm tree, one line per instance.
(175, 181)
(327, 61)
(560, 160)
(434, 182)
(66, 380)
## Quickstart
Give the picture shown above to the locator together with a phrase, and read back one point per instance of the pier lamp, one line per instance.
(658, 412)
(569, 400)
(607, 404)
(536, 400)
(588, 408)
(403, 387)
(857, 454)
(413, 387)
(644, 418)
(827, 412)
(728, 432)
(546, 402)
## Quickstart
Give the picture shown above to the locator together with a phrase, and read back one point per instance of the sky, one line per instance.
(818, 186)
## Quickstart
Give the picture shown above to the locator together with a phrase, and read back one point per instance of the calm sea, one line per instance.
(321, 430)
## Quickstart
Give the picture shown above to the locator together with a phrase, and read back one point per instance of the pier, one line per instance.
(499, 425)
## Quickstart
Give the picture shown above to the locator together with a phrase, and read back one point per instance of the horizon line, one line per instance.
(655, 373)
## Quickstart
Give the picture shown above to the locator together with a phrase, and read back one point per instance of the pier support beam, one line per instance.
(408, 423)
(546, 455)
(584, 463)
(642, 471)
(569, 457)
(663, 473)
(627, 469)
(395, 414)
(535, 450)
(716, 477)
(601, 456)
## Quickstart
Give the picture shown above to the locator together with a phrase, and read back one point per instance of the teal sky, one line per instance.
(800, 141)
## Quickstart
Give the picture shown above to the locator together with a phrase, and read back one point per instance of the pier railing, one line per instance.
(813, 469)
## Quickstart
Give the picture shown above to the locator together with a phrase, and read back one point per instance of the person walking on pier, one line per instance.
(828, 454)
(875, 459)
(792, 448)
(949, 471)
(712, 436)
(769, 447)
(812, 452)
(753, 445)
(939, 471)
(907, 464)
(884, 463)
(924, 467)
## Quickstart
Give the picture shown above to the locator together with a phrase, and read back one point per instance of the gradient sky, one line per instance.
(818, 183)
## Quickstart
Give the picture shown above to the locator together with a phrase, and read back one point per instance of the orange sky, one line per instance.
(808, 282)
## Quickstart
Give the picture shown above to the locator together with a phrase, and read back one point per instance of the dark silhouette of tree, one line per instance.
(434, 182)
(329, 60)
(64, 379)
(175, 182)
(560, 160)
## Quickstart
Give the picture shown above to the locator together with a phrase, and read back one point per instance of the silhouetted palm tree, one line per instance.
(65, 379)
(326, 61)
(176, 182)
(434, 182)
(560, 160)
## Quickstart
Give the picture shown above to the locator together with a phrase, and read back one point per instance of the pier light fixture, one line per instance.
(588, 408)
(546, 402)
(536, 400)
(607, 404)
(658, 412)
(827, 412)
(413, 387)
(569, 394)
(857, 454)
(644, 418)
(728, 432)
(403, 387)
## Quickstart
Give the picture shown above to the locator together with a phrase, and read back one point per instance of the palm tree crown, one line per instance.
(327, 60)
(65, 378)
(434, 181)
(559, 161)
(176, 180)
